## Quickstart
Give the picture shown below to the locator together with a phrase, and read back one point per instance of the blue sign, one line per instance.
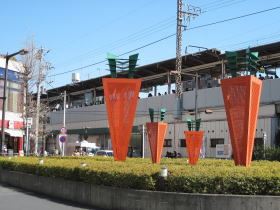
(12, 75)
(62, 139)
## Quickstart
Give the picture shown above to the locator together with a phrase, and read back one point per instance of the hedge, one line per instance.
(209, 176)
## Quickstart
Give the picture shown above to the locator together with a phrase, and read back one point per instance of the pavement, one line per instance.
(12, 198)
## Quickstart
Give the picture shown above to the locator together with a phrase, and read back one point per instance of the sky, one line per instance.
(81, 33)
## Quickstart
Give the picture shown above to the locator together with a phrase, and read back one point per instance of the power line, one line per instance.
(141, 33)
(235, 18)
(171, 35)
(160, 26)
(115, 19)
(210, 4)
(223, 6)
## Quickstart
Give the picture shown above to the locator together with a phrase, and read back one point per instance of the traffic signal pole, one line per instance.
(64, 120)
(195, 92)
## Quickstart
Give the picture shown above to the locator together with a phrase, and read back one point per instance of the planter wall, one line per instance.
(126, 199)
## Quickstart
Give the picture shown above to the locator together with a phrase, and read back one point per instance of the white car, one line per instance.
(105, 153)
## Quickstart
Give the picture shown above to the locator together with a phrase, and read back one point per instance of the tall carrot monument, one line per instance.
(194, 139)
(121, 97)
(241, 95)
(156, 133)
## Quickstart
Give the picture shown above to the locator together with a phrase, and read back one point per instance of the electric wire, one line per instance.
(123, 41)
(138, 8)
(217, 8)
(169, 36)
(142, 34)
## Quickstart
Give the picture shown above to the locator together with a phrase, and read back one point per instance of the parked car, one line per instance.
(105, 153)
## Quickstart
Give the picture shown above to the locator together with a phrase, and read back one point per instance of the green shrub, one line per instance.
(209, 176)
(267, 153)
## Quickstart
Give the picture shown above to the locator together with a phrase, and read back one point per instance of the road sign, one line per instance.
(63, 130)
(29, 120)
(62, 138)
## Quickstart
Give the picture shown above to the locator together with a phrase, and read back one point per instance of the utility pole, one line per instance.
(186, 14)
(179, 48)
(195, 101)
(40, 54)
(64, 120)
(41, 76)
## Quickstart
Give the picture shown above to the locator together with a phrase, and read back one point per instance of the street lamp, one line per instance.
(7, 57)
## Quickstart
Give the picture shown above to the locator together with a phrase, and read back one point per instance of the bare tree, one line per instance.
(33, 72)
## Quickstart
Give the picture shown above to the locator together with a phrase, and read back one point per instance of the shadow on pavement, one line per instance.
(49, 198)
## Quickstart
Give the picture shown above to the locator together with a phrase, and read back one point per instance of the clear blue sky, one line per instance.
(82, 32)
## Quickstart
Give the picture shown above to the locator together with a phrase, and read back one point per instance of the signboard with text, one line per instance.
(223, 151)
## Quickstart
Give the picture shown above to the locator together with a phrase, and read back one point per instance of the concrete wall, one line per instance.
(126, 199)
(212, 97)
(96, 116)
(214, 126)
(97, 113)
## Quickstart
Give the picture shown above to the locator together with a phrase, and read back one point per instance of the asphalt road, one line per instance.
(13, 198)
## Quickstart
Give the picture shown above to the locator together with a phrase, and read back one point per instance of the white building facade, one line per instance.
(91, 121)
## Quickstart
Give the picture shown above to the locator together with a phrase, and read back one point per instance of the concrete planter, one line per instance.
(127, 199)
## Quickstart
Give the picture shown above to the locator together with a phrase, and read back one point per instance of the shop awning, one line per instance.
(15, 132)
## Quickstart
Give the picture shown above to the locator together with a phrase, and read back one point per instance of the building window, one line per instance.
(182, 142)
(214, 142)
(258, 142)
(167, 143)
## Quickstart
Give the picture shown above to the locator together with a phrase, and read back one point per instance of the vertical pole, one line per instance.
(179, 49)
(195, 102)
(4, 106)
(223, 69)
(27, 139)
(143, 140)
(155, 90)
(38, 102)
(94, 96)
(64, 122)
(178, 78)
(168, 83)
(37, 115)
(64, 108)
(44, 136)
(174, 135)
(191, 11)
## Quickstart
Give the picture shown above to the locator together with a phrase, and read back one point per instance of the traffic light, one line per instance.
(252, 59)
(197, 124)
(112, 64)
(236, 63)
(151, 112)
(232, 63)
(162, 114)
(189, 123)
(132, 65)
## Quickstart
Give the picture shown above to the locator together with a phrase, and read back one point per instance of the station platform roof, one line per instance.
(204, 62)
